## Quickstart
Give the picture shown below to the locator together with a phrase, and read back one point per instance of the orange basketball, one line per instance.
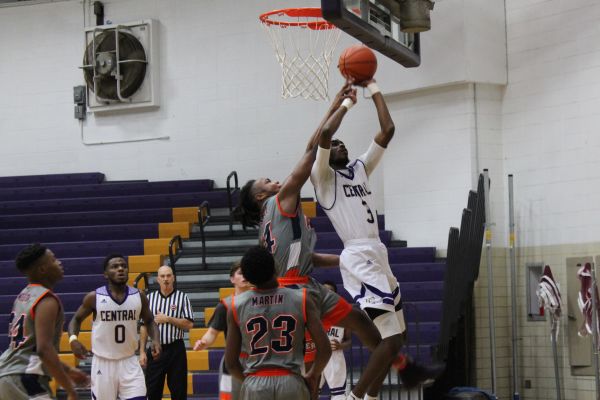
(358, 62)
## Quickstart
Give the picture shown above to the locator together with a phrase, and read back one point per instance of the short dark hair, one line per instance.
(330, 283)
(258, 265)
(247, 211)
(29, 256)
(234, 267)
(110, 257)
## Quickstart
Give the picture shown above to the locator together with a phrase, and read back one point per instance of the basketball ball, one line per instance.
(358, 62)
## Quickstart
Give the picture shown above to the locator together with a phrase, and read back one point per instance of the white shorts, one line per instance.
(369, 279)
(122, 379)
(335, 375)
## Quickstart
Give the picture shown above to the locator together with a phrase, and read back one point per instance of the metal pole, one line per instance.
(513, 288)
(488, 248)
(595, 331)
(555, 354)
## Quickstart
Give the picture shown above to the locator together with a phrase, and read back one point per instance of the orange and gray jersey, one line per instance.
(272, 325)
(21, 356)
(289, 237)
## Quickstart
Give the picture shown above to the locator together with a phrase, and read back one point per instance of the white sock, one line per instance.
(352, 396)
(367, 397)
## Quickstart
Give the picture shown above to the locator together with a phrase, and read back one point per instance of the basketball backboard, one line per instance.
(376, 23)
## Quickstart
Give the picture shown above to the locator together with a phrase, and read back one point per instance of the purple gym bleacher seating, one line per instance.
(82, 249)
(51, 180)
(69, 284)
(216, 199)
(72, 266)
(133, 216)
(105, 190)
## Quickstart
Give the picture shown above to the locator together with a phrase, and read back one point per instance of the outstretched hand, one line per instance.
(343, 93)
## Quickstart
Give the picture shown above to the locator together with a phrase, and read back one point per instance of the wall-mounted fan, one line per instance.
(120, 66)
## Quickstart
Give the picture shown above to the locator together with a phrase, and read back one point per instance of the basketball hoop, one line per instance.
(304, 44)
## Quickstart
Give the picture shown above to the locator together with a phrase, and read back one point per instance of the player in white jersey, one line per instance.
(116, 308)
(342, 189)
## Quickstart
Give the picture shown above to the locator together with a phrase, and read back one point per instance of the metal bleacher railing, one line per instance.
(230, 193)
(203, 219)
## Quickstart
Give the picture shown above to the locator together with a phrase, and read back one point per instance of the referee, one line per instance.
(173, 315)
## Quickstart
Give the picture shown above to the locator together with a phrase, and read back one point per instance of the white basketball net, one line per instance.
(304, 45)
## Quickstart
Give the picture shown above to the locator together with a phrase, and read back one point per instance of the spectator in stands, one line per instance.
(173, 315)
(228, 388)
(35, 330)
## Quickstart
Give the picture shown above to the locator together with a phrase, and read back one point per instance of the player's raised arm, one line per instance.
(85, 309)
(323, 348)
(151, 328)
(384, 136)
(233, 347)
(290, 190)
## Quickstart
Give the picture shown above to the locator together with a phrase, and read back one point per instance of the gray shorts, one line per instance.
(288, 387)
(25, 387)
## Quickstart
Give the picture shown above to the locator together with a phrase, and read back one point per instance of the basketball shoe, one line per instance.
(413, 373)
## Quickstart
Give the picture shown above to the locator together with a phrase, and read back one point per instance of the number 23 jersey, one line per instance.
(271, 324)
(114, 329)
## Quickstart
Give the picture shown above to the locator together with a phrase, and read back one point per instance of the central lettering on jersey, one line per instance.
(267, 300)
(356, 190)
(118, 315)
(333, 331)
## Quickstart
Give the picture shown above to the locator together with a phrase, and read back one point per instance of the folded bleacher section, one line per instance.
(83, 217)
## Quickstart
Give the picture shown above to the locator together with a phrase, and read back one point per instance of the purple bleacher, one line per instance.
(330, 240)
(3, 342)
(72, 266)
(51, 180)
(70, 301)
(323, 224)
(418, 272)
(216, 199)
(69, 284)
(206, 383)
(81, 249)
(113, 217)
(214, 358)
(399, 255)
(107, 189)
(79, 233)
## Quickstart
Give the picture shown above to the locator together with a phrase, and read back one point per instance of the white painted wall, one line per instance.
(220, 105)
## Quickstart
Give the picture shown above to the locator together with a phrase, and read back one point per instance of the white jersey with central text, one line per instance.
(351, 211)
(114, 329)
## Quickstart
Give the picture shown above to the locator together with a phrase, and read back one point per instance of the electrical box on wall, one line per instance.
(121, 66)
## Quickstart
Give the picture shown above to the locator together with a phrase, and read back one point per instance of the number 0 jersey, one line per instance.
(272, 324)
(114, 329)
(289, 238)
(21, 356)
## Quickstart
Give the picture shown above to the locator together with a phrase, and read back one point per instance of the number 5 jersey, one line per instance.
(114, 329)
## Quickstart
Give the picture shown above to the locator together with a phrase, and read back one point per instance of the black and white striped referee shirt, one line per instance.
(176, 305)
